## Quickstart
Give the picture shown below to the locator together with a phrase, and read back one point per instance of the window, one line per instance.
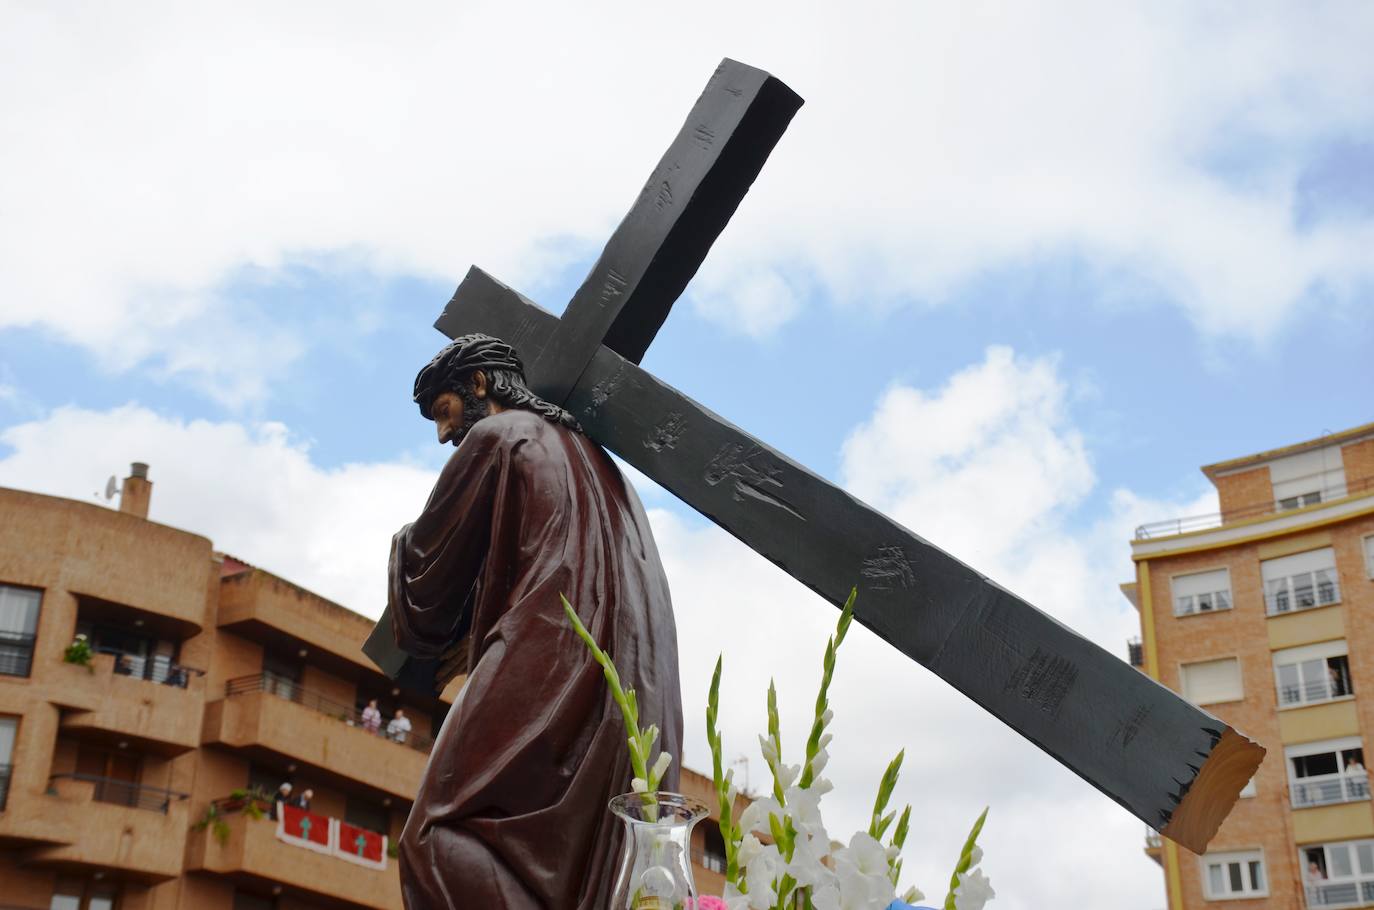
(1201, 592)
(1308, 478)
(18, 625)
(1300, 581)
(1323, 773)
(1311, 674)
(75, 893)
(713, 849)
(1369, 555)
(245, 901)
(364, 813)
(1212, 681)
(9, 728)
(1239, 874)
(1339, 874)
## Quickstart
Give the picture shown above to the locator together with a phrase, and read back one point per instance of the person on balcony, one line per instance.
(283, 796)
(372, 717)
(399, 727)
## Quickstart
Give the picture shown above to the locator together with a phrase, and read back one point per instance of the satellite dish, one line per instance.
(110, 488)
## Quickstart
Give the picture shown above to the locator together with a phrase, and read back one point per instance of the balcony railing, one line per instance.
(5, 772)
(125, 793)
(1135, 652)
(713, 861)
(292, 691)
(1328, 789)
(16, 653)
(1355, 893)
(1174, 526)
(153, 669)
(1311, 692)
(1304, 591)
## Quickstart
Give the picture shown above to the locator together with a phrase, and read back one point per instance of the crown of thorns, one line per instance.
(457, 360)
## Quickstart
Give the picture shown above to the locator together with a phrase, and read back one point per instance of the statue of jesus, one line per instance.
(511, 812)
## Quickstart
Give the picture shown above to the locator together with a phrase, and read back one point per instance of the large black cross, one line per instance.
(1174, 766)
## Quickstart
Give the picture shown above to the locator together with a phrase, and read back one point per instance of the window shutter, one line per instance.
(1212, 681)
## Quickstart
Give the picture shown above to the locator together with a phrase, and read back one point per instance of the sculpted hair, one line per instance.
(452, 368)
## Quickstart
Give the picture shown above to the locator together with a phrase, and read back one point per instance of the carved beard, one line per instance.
(474, 409)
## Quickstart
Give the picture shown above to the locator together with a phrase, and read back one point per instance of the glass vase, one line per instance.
(655, 863)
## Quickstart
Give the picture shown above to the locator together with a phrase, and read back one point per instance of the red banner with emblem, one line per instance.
(305, 829)
(359, 845)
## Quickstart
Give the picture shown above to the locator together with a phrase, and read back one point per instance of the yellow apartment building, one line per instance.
(124, 778)
(1264, 615)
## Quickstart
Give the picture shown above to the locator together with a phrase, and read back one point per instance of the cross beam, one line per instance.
(1171, 764)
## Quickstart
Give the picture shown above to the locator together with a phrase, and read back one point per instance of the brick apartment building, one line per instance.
(1264, 614)
(209, 678)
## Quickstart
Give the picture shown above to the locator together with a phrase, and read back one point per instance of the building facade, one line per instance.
(152, 690)
(1264, 615)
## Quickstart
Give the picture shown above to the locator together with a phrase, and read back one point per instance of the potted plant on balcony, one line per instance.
(79, 652)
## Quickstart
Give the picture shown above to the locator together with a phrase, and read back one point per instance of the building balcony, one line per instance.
(1335, 895)
(285, 722)
(1362, 486)
(1154, 845)
(115, 825)
(161, 711)
(1328, 789)
(252, 854)
(1135, 653)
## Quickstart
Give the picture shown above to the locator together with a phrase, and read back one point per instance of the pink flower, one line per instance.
(708, 902)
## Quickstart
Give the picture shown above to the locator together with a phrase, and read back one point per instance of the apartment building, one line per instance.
(1264, 615)
(127, 776)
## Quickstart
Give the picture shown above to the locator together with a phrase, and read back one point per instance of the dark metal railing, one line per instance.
(126, 793)
(1135, 652)
(153, 669)
(5, 772)
(16, 653)
(292, 691)
(1217, 519)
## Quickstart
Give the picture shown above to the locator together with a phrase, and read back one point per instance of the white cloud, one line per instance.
(156, 151)
(252, 489)
(989, 465)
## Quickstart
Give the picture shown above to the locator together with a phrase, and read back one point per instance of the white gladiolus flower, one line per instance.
(769, 750)
(664, 760)
(804, 808)
(788, 774)
(975, 856)
(973, 892)
(805, 866)
(749, 847)
(818, 763)
(755, 817)
(761, 876)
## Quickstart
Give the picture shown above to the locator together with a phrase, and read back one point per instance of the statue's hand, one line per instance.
(452, 663)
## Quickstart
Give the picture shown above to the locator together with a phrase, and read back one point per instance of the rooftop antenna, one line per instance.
(110, 489)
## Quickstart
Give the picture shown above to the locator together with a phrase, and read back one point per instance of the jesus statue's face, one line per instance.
(454, 413)
(448, 417)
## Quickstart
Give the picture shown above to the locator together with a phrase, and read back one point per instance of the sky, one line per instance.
(1011, 276)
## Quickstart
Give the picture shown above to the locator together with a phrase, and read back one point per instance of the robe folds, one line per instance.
(511, 812)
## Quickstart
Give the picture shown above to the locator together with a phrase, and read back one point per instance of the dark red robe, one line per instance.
(512, 809)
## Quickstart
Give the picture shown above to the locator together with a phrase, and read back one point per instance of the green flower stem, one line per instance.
(965, 859)
(879, 823)
(640, 741)
(813, 742)
(722, 780)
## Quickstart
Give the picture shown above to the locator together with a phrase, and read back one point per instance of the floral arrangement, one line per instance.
(778, 853)
(795, 865)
